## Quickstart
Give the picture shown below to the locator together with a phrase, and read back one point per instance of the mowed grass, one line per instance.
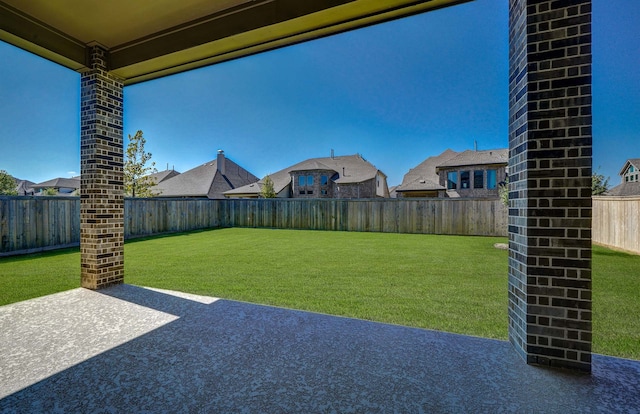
(449, 283)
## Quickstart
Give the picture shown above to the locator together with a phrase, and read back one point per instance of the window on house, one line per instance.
(626, 179)
(301, 180)
(323, 192)
(478, 179)
(464, 179)
(309, 180)
(324, 180)
(452, 180)
(491, 179)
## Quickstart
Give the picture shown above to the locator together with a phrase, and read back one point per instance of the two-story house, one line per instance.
(349, 176)
(469, 173)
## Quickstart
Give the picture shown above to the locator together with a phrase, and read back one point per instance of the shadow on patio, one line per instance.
(133, 349)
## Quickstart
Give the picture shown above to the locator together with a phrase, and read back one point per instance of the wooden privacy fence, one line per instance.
(29, 224)
(38, 223)
(479, 217)
(616, 222)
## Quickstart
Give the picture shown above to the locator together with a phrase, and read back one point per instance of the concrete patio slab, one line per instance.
(132, 349)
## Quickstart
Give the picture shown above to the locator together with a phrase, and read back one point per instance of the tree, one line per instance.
(267, 190)
(599, 184)
(49, 192)
(137, 182)
(7, 184)
(503, 191)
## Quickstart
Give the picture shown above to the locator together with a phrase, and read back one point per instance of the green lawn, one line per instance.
(449, 283)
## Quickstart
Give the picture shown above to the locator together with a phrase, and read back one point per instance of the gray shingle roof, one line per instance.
(206, 181)
(471, 157)
(24, 187)
(625, 189)
(163, 175)
(59, 183)
(424, 176)
(350, 169)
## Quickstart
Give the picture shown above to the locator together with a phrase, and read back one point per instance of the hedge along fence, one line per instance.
(29, 224)
(616, 223)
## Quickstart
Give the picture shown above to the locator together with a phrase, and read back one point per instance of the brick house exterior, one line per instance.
(457, 174)
(348, 176)
(474, 173)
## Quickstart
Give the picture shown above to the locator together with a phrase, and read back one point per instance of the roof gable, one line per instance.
(163, 175)
(632, 162)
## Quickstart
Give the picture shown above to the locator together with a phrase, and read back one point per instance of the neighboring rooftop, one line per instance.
(349, 169)
(424, 176)
(625, 190)
(630, 180)
(163, 175)
(472, 157)
(23, 187)
(56, 183)
(210, 180)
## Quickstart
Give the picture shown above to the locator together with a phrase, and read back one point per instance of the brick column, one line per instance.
(550, 181)
(101, 193)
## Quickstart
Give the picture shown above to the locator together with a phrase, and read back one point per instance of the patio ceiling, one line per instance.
(150, 39)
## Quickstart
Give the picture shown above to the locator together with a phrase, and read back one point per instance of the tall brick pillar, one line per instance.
(550, 181)
(101, 193)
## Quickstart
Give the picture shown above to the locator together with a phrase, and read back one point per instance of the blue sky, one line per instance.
(396, 93)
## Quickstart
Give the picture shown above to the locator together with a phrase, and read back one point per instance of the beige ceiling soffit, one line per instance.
(34, 36)
(218, 16)
(298, 30)
(217, 27)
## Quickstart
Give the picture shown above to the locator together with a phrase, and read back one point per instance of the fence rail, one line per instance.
(616, 222)
(30, 224)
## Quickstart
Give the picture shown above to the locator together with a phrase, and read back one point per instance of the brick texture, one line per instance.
(101, 161)
(550, 181)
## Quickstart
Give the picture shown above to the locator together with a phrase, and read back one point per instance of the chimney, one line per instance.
(221, 162)
(332, 154)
